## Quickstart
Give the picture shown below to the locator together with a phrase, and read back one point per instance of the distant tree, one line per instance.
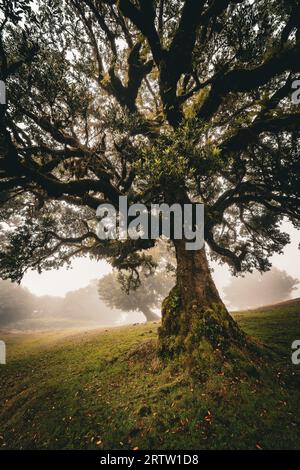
(256, 289)
(119, 291)
(145, 298)
(16, 303)
(84, 305)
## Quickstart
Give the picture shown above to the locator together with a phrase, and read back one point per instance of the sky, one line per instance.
(84, 270)
(59, 282)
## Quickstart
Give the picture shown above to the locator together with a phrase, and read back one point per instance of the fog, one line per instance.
(255, 289)
(68, 298)
(82, 308)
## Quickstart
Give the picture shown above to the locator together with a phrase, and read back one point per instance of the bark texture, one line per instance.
(195, 322)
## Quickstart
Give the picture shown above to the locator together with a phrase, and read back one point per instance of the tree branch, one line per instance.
(241, 80)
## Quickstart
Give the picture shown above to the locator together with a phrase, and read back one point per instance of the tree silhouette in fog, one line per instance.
(256, 289)
(145, 296)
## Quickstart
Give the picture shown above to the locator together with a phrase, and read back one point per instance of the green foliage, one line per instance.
(85, 129)
(177, 155)
(25, 247)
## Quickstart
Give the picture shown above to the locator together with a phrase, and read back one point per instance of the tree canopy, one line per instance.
(137, 98)
(158, 100)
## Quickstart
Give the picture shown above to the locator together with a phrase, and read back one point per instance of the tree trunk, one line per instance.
(193, 277)
(149, 315)
(195, 322)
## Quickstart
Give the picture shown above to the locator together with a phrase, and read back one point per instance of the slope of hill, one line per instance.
(285, 305)
(278, 325)
(106, 389)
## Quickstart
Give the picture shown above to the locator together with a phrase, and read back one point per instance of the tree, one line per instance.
(270, 288)
(83, 306)
(142, 300)
(158, 100)
(115, 290)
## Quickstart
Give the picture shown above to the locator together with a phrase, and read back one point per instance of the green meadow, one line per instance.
(106, 389)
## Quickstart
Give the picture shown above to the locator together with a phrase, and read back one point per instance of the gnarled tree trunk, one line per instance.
(149, 315)
(195, 322)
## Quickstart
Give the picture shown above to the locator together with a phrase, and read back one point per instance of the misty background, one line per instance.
(83, 308)
(69, 298)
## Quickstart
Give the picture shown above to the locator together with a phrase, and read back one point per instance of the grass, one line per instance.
(107, 390)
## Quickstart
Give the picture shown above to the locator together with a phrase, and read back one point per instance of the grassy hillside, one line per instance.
(107, 390)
